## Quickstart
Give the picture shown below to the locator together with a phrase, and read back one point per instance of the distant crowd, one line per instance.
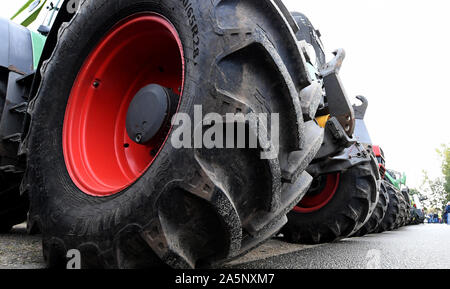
(440, 218)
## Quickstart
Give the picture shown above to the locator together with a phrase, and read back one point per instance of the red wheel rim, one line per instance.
(312, 203)
(100, 157)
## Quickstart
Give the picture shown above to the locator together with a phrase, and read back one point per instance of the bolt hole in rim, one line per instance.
(314, 202)
(100, 157)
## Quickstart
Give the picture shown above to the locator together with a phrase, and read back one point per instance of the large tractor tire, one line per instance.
(335, 207)
(126, 205)
(393, 211)
(378, 214)
(13, 205)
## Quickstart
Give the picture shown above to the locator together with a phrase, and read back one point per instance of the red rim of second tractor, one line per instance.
(314, 203)
(100, 157)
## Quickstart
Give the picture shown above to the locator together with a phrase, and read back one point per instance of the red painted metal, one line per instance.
(377, 151)
(100, 157)
(314, 203)
(381, 161)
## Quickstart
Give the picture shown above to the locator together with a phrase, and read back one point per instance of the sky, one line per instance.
(9, 7)
(397, 56)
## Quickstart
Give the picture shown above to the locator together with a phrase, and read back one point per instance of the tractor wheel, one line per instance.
(127, 202)
(13, 206)
(378, 214)
(409, 217)
(402, 211)
(308, 33)
(409, 212)
(393, 211)
(335, 207)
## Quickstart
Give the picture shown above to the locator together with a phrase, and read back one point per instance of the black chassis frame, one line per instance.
(346, 141)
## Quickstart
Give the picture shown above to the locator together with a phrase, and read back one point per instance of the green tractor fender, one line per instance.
(396, 182)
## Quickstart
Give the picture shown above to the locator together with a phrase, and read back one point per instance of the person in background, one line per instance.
(446, 211)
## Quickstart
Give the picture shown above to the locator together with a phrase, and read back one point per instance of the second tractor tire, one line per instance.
(352, 202)
(378, 214)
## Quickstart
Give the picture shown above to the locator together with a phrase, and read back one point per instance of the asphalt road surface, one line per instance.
(413, 247)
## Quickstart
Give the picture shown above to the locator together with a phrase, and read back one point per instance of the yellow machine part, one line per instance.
(322, 120)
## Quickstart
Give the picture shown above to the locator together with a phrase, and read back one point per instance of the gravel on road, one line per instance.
(20, 251)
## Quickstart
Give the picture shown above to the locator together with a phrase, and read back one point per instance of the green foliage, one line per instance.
(434, 192)
(438, 190)
(420, 195)
(444, 153)
(413, 192)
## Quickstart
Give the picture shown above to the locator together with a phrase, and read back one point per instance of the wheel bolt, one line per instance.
(138, 138)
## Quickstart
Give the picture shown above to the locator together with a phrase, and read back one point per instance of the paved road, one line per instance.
(414, 247)
(20, 251)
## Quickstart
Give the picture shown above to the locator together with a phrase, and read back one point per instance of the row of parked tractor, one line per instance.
(86, 152)
(352, 194)
(395, 208)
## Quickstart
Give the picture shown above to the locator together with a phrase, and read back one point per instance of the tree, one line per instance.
(415, 192)
(444, 153)
(434, 191)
